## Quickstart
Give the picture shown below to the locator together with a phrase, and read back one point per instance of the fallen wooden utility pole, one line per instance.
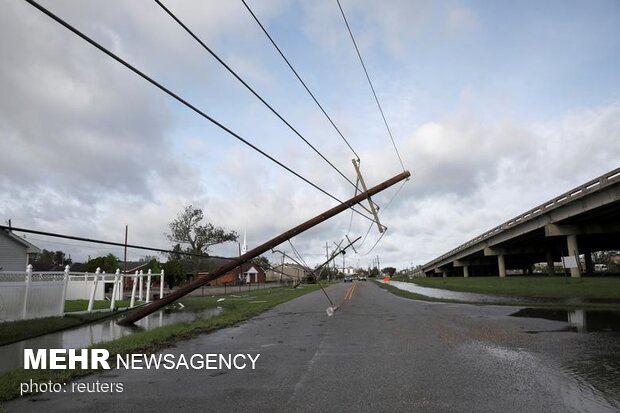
(147, 309)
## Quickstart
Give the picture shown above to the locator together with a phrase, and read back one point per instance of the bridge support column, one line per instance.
(466, 271)
(550, 263)
(501, 265)
(573, 250)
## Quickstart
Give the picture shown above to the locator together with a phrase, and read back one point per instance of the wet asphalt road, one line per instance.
(378, 353)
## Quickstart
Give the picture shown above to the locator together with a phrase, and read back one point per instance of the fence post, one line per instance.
(140, 286)
(26, 291)
(133, 290)
(61, 310)
(114, 289)
(148, 287)
(91, 302)
(161, 284)
(121, 288)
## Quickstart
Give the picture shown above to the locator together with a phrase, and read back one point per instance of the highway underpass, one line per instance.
(581, 221)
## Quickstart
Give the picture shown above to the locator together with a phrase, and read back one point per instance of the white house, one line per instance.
(349, 271)
(287, 272)
(15, 252)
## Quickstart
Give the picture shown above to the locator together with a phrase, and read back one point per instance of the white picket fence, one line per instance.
(26, 294)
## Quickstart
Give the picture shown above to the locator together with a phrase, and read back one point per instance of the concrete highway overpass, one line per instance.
(580, 221)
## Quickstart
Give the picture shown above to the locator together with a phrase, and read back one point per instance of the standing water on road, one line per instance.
(11, 355)
(581, 321)
(490, 299)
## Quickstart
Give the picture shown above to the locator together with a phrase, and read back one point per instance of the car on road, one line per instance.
(362, 278)
(349, 278)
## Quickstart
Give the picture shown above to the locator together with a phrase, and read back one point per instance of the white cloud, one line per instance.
(86, 147)
(461, 20)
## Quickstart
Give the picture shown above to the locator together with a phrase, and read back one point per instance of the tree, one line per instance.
(153, 265)
(174, 274)
(175, 255)
(389, 270)
(262, 262)
(46, 260)
(174, 271)
(187, 229)
(108, 263)
(374, 272)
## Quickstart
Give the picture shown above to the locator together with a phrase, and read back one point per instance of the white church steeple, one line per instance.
(244, 247)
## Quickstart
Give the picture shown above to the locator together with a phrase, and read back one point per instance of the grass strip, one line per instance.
(82, 305)
(236, 309)
(12, 331)
(607, 287)
(508, 302)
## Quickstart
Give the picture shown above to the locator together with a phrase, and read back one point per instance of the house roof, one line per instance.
(30, 248)
(297, 266)
(206, 265)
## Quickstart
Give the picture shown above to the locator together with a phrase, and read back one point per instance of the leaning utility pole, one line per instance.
(147, 309)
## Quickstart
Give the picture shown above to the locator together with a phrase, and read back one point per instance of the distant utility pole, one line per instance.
(378, 264)
(125, 258)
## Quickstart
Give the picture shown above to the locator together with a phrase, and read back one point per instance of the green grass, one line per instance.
(23, 329)
(82, 305)
(236, 309)
(12, 331)
(530, 286)
(509, 300)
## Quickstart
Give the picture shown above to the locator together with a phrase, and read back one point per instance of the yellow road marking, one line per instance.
(350, 292)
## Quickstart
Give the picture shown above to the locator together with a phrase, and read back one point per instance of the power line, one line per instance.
(98, 241)
(373, 247)
(299, 78)
(244, 83)
(297, 254)
(371, 86)
(394, 196)
(178, 98)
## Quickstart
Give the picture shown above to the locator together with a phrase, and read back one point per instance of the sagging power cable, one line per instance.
(299, 78)
(371, 86)
(179, 99)
(116, 244)
(248, 87)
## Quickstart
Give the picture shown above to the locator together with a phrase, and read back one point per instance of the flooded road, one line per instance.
(581, 321)
(379, 352)
(11, 355)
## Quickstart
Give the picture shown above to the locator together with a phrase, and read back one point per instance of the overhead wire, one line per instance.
(373, 247)
(75, 31)
(371, 86)
(244, 83)
(370, 227)
(297, 254)
(299, 78)
(359, 55)
(112, 243)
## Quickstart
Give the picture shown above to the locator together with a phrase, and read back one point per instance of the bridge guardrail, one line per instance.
(575, 193)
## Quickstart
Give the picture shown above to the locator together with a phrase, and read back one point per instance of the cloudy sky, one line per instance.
(495, 107)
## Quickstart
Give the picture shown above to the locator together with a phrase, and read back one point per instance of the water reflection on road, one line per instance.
(490, 299)
(581, 321)
(594, 362)
(11, 355)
